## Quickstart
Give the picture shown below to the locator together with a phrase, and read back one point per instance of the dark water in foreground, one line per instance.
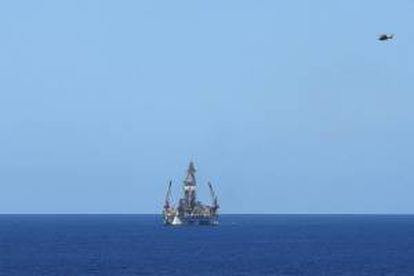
(241, 245)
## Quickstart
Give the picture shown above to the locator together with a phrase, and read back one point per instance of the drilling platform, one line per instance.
(190, 211)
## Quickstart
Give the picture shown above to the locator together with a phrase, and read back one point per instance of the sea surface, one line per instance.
(240, 245)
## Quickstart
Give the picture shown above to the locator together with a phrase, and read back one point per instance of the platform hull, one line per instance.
(211, 221)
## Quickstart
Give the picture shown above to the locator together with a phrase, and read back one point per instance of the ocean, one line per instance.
(240, 245)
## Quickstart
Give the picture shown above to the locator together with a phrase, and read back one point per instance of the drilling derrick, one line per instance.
(190, 188)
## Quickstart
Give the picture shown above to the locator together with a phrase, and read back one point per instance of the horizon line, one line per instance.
(221, 214)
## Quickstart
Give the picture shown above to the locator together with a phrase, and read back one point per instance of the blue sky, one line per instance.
(286, 106)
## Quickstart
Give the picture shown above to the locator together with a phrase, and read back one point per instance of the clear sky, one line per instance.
(286, 106)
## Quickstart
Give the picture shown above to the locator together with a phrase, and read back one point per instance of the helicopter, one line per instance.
(385, 37)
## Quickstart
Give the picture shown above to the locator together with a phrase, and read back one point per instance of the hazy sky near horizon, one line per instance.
(286, 106)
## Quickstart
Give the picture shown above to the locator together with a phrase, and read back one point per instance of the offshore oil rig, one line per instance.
(189, 210)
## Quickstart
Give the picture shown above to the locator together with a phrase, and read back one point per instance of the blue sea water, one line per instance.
(240, 245)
